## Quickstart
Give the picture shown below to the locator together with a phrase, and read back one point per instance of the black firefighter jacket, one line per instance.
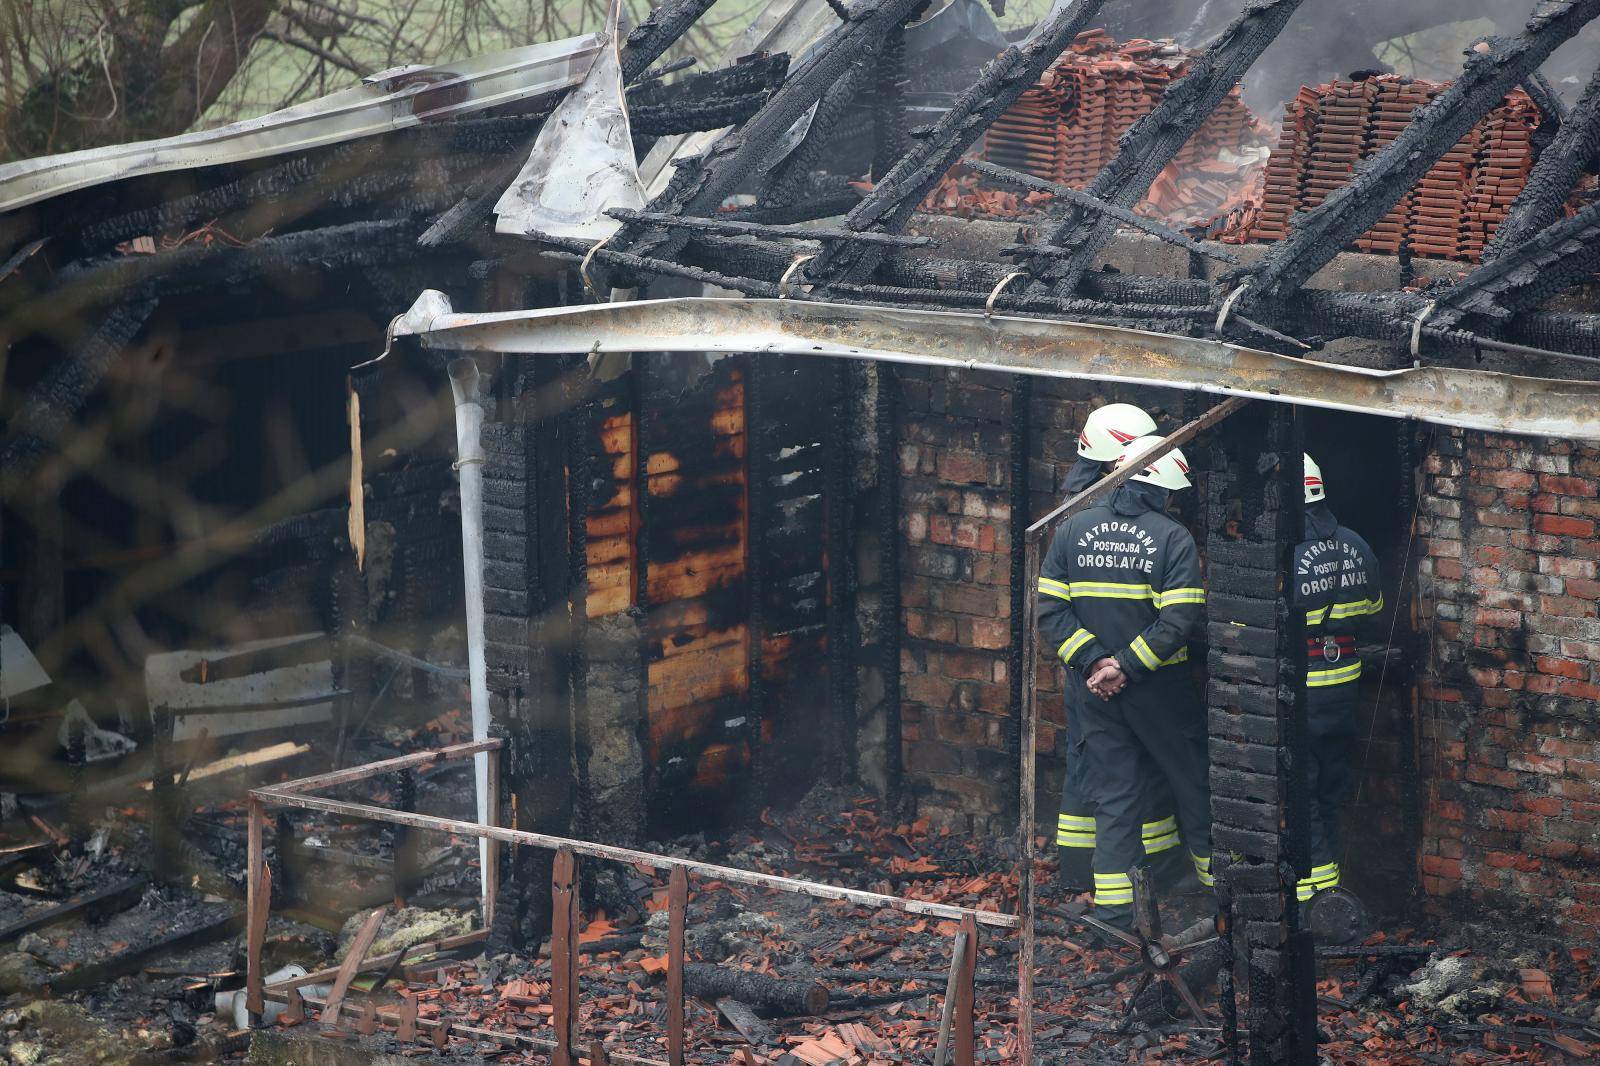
(1336, 584)
(1121, 579)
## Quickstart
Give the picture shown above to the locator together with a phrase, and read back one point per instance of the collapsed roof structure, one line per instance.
(772, 534)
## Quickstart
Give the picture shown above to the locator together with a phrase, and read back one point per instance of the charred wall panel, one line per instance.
(610, 520)
(706, 551)
(787, 472)
(693, 533)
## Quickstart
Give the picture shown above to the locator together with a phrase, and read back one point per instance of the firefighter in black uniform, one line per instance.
(1336, 584)
(1119, 597)
(1107, 431)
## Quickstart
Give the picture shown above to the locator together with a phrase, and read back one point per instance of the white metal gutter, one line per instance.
(1470, 399)
(389, 100)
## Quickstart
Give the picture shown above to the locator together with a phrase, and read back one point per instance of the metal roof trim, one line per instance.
(385, 102)
(1469, 399)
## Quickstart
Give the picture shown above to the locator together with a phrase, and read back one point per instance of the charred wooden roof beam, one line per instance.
(1379, 183)
(700, 187)
(1157, 137)
(1000, 84)
(1550, 183)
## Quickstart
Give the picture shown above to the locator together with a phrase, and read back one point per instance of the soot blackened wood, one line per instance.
(770, 995)
(839, 564)
(795, 536)
(527, 578)
(1255, 720)
(694, 549)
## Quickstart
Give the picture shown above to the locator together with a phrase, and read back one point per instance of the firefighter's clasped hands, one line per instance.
(1106, 678)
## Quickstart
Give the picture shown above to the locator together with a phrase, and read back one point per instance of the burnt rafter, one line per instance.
(649, 40)
(1351, 210)
(1551, 261)
(1000, 84)
(1157, 138)
(1554, 176)
(1085, 202)
(706, 101)
(792, 176)
(700, 186)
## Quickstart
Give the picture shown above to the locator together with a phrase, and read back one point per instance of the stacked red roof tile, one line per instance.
(1330, 129)
(1066, 127)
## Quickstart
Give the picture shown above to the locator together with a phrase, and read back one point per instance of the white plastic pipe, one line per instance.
(469, 466)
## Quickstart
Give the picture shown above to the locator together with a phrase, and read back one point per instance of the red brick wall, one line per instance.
(955, 594)
(955, 497)
(1510, 728)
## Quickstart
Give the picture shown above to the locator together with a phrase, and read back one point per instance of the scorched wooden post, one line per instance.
(677, 905)
(564, 957)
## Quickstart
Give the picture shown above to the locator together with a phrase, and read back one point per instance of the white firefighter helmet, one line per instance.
(1171, 471)
(1109, 430)
(1314, 487)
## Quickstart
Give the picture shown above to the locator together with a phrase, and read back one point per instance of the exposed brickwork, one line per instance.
(1510, 730)
(955, 594)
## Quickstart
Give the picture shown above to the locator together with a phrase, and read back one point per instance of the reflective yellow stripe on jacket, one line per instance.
(1350, 609)
(1052, 587)
(1148, 656)
(1070, 646)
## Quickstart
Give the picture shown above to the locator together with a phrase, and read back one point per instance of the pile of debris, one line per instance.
(783, 980)
(1453, 211)
(1066, 128)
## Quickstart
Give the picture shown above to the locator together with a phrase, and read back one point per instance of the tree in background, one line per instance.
(83, 73)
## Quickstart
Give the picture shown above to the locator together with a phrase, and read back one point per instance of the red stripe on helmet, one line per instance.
(1121, 437)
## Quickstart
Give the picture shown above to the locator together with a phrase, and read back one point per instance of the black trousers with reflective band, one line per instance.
(1160, 720)
(1075, 828)
(1331, 727)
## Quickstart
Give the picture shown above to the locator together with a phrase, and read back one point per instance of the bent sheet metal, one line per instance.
(388, 100)
(1470, 399)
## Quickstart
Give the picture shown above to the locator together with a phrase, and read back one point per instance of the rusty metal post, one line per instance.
(258, 888)
(677, 905)
(564, 957)
(965, 1026)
